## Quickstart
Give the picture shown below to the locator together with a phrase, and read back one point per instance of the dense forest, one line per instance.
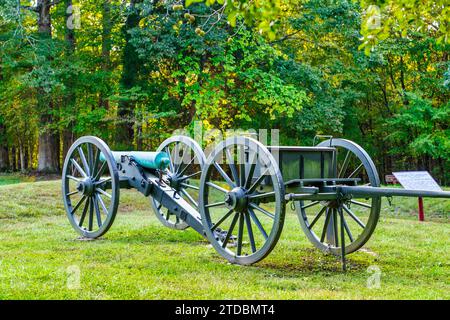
(133, 71)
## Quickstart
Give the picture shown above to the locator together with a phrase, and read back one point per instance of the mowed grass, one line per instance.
(6, 179)
(42, 258)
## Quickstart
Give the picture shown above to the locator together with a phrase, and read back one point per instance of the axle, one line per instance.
(343, 191)
(363, 192)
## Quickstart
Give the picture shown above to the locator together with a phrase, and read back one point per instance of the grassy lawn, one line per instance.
(41, 258)
(6, 179)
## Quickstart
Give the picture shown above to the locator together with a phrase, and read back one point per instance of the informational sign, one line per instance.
(417, 180)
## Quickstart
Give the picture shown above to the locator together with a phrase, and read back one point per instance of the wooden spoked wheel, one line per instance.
(90, 187)
(242, 202)
(185, 168)
(327, 223)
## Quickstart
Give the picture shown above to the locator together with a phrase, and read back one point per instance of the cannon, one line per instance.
(237, 196)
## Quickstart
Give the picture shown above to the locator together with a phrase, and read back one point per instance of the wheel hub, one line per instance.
(86, 187)
(175, 182)
(236, 200)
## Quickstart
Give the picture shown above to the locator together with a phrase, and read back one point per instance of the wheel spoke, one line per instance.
(316, 218)
(188, 165)
(73, 178)
(215, 186)
(241, 164)
(240, 234)
(224, 175)
(267, 213)
(171, 166)
(78, 205)
(258, 182)
(335, 228)
(97, 212)
(250, 231)
(189, 186)
(248, 180)
(362, 204)
(176, 163)
(232, 167)
(347, 229)
(344, 164)
(189, 198)
(218, 223)
(230, 230)
(190, 176)
(262, 195)
(242, 174)
(312, 204)
(216, 204)
(80, 170)
(90, 157)
(325, 226)
(83, 161)
(83, 215)
(180, 162)
(91, 214)
(100, 171)
(341, 215)
(356, 171)
(103, 181)
(106, 194)
(258, 223)
(72, 193)
(102, 204)
(354, 217)
(96, 161)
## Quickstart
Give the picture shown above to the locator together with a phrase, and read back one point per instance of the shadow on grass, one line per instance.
(154, 235)
(309, 260)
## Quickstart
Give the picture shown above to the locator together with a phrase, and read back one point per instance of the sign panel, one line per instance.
(417, 180)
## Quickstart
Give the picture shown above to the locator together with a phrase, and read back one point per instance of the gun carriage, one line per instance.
(236, 197)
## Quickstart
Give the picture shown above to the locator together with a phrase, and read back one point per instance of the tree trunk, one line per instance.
(69, 100)
(22, 157)
(48, 159)
(13, 159)
(30, 149)
(125, 129)
(4, 155)
(26, 162)
(106, 52)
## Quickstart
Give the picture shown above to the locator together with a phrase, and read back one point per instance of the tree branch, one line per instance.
(30, 8)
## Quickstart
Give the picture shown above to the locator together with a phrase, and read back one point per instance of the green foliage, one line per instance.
(161, 66)
(421, 129)
(404, 18)
(260, 14)
(225, 76)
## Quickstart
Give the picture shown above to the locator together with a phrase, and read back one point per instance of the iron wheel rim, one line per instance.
(375, 204)
(244, 220)
(95, 206)
(163, 214)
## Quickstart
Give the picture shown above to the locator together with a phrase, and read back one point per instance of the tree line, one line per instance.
(133, 71)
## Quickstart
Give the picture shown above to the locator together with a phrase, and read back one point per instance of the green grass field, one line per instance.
(41, 257)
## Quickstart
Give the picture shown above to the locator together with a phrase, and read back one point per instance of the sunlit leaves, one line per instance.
(259, 14)
(403, 17)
